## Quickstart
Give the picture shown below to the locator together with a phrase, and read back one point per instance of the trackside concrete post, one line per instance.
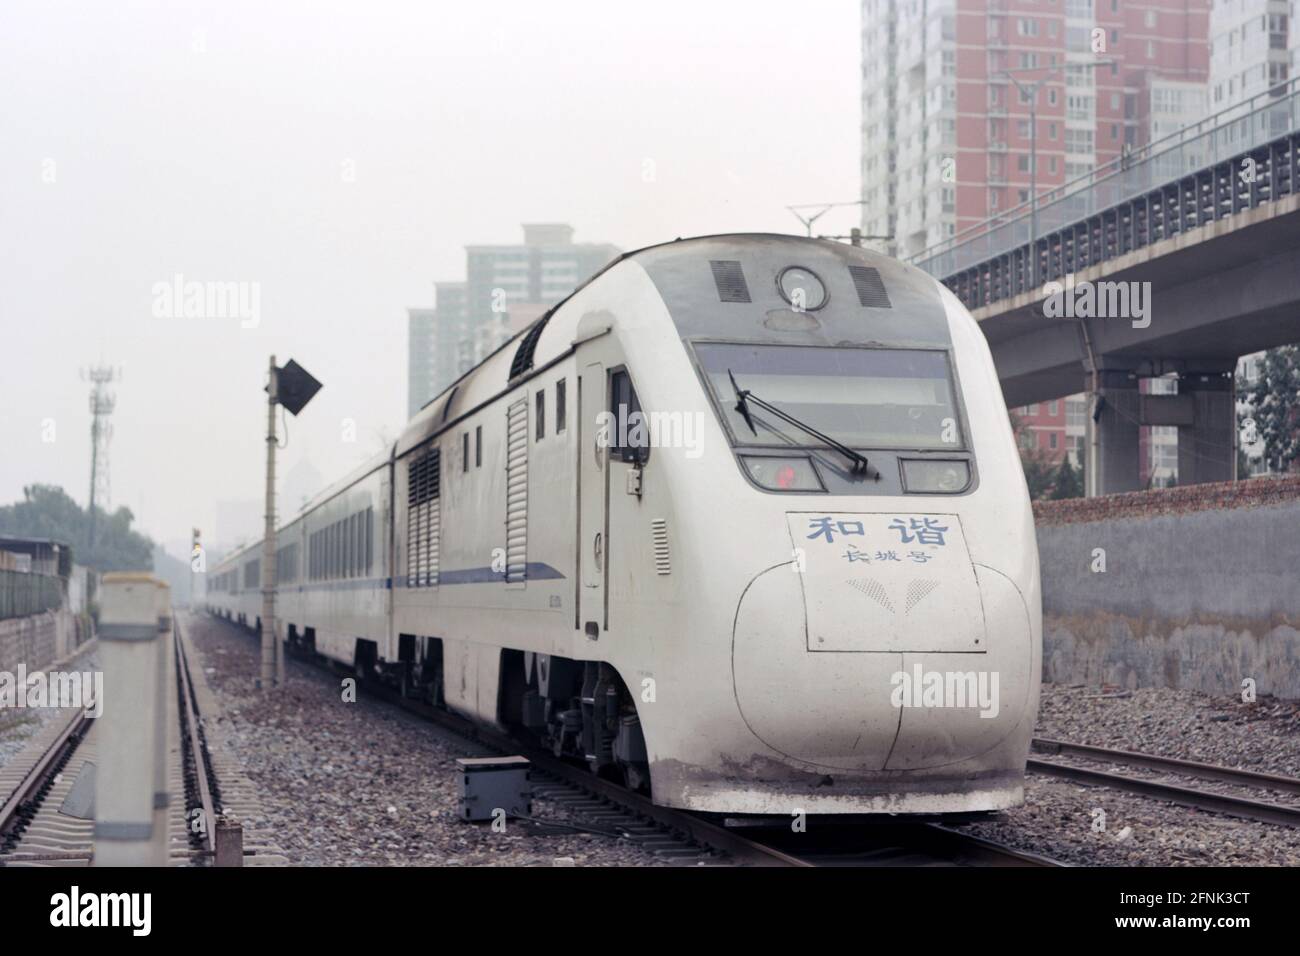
(135, 618)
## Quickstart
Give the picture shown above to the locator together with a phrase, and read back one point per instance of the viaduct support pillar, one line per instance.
(1111, 449)
(1207, 447)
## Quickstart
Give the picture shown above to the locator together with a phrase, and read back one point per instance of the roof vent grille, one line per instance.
(870, 288)
(523, 360)
(730, 280)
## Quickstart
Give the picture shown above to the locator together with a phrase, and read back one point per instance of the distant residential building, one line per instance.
(1057, 429)
(1168, 105)
(237, 523)
(946, 132)
(1158, 444)
(517, 317)
(1249, 369)
(1254, 46)
(506, 288)
(1076, 427)
(420, 359)
(436, 353)
(546, 267)
(1042, 429)
(302, 482)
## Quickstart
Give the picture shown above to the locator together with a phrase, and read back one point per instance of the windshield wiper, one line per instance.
(744, 396)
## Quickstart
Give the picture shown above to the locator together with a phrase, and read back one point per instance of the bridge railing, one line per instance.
(1238, 129)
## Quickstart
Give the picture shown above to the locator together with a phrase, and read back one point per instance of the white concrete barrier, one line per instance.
(134, 633)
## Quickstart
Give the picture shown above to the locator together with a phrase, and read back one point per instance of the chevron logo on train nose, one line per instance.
(917, 590)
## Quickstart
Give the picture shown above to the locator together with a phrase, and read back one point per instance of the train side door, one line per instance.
(593, 504)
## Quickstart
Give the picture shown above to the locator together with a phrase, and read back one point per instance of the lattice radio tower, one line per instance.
(101, 432)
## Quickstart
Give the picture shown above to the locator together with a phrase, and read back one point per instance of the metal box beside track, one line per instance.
(488, 784)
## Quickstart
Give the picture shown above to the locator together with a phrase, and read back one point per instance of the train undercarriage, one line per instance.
(581, 710)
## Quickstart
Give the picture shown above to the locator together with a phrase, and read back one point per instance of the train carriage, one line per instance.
(741, 521)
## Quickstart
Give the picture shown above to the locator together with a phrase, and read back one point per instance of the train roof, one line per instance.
(552, 334)
(377, 460)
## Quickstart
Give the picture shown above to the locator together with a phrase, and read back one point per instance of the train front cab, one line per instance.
(883, 633)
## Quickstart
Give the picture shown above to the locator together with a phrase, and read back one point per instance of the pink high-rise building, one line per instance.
(946, 133)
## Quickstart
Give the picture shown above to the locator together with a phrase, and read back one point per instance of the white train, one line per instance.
(742, 519)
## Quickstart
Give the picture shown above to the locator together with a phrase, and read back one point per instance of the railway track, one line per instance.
(825, 842)
(831, 842)
(1235, 805)
(37, 826)
(770, 843)
(612, 807)
(685, 837)
(201, 787)
(33, 782)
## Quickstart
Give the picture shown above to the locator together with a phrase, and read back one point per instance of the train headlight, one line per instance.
(932, 476)
(783, 474)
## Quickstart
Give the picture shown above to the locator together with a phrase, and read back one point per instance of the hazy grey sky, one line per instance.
(339, 155)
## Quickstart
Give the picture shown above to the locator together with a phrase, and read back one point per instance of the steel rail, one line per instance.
(1242, 807)
(1189, 768)
(699, 829)
(60, 748)
(202, 765)
(702, 831)
(992, 852)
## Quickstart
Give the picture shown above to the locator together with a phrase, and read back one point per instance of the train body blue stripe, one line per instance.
(533, 571)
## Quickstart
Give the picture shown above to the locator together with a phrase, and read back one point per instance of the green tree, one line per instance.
(1040, 467)
(47, 511)
(1068, 481)
(1274, 404)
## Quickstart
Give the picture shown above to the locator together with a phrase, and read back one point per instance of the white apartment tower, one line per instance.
(1253, 46)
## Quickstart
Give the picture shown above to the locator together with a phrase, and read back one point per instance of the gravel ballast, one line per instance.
(20, 725)
(1262, 736)
(366, 783)
(1063, 819)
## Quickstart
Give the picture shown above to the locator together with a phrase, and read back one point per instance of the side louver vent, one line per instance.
(517, 491)
(423, 519)
(730, 280)
(663, 560)
(871, 290)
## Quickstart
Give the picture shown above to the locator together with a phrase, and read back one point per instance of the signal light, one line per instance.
(294, 386)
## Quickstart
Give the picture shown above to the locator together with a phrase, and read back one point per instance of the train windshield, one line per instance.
(860, 397)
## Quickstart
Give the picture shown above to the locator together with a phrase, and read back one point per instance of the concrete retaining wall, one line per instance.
(38, 640)
(1201, 588)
